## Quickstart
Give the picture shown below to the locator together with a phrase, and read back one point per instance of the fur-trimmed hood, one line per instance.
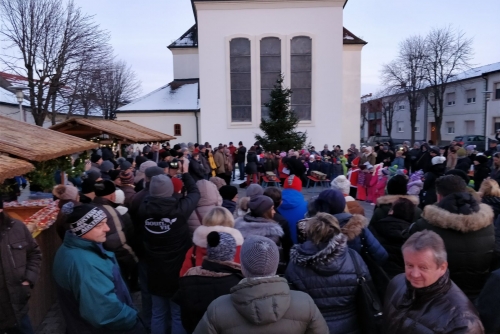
(442, 218)
(351, 225)
(309, 254)
(250, 225)
(201, 233)
(390, 199)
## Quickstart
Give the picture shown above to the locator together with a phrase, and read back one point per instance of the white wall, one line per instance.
(493, 105)
(164, 122)
(186, 63)
(13, 112)
(321, 20)
(351, 92)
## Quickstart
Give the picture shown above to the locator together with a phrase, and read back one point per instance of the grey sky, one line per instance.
(141, 30)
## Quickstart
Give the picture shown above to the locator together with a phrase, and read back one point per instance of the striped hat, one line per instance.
(259, 257)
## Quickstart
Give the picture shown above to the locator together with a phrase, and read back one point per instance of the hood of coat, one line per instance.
(325, 258)
(390, 199)
(209, 195)
(201, 233)
(491, 200)
(250, 225)
(351, 225)
(291, 199)
(262, 301)
(391, 228)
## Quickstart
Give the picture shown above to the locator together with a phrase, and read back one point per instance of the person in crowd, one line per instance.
(106, 167)
(204, 161)
(20, 262)
(415, 183)
(481, 170)
(140, 176)
(384, 155)
(490, 194)
(283, 171)
(396, 189)
(463, 161)
(89, 178)
(355, 227)
(325, 152)
(240, 159)
(324, 268)
(487, 303)
(368, 156)
(293, 205)
(87, 276)
(495, 168)
(466, 227)
(451, 158)
(220, 160)
(217, 219)
(214, 277)
(262, 302)
(424, 162)
(209, 198)
(95, 162)
(399, 160)
(391, 232)
(428, 194)
(269, 164)
(352, 153)
(232, 152)
(218, 182)
(229, 196)
(65, 194)
(342, 184)
(251, 167)
(127, 185)
(414, 156)
(211, 162)
(425, 299)
(295, 166)
(275, 194)
(154, 154)
(254, 190)
(378, 184)
(258, 148)
(196, 168)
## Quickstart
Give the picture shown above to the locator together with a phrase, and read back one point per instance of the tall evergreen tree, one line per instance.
(279, 127)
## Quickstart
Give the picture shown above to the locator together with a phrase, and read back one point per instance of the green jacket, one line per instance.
(263, 305)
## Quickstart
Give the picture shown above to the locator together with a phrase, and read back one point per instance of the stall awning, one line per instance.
(123, 131)
(10, 167)
(34, 143)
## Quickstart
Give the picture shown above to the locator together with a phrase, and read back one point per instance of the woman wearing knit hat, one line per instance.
(293, 206)
(214, 277)
(229, 196)
(342, 184)
(65, 194)
(463, 161)
(127, 185)
(324, 268)
(86, 276)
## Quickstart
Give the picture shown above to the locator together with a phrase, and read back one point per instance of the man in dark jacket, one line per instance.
(166, 240)
(204, 161)
(424, 299)
(20, 260)
(414, 155)
(240, 159)
(466, 226)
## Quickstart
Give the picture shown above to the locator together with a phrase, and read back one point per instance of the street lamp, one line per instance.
(18, 90)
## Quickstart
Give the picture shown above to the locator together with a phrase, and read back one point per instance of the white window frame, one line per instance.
(470, 100)
(401, 126)
(448, 127)
(417, 127)
(451, 103)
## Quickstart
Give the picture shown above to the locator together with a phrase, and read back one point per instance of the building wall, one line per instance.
(321, 20)
(13, 112)
(164, 122)
(186, 63)
(493, 105)
(351, 88)
(402, 116)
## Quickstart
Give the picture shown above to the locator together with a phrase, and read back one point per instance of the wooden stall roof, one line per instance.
(125, 131)
(10, 167)
(35, 143)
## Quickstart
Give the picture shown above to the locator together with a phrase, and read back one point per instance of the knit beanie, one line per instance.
(438, 160)
(254, 190)
(292, 182)
(221, 246)
(153, 171)
(106, 166)
(124, 165)
(126, 177)
(161, 186)
(260, 204)
(259, 257)
(178, 184)
(82, 218)
(146, 165)
(95, 157)
(104, 188)
(342, 184)
(228, 192)
(217, 181)
(397, 185)
(65, 192)
(461, 152)
(139, 160)
(163, 164)
(330, 201)
(460, 173)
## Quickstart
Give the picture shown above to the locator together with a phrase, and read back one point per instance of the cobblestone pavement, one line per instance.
(54, 322)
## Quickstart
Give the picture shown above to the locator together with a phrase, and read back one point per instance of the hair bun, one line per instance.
(68, 208)
(213, 239)
(59, 190)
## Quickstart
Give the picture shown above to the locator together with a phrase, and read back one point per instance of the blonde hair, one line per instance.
(322, 228)
(218, 216)
(243, 203)
(489, 187)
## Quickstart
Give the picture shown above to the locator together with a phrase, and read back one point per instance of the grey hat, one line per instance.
(221, 246)
(146, 164)
(259, 257)
(260, 204)
(124, 165)
(190, 144)
(161, 186)
(254, 190)
(153, 171)
(106, 166)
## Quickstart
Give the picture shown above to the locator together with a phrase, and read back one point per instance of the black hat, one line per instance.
(397, 185)
(104, 188)
(460, 173)
(174, 164)
(240, 143)
(435, 150)
(228, 192)
(177, 147)
(95, 157)
(82, 218)
(481, 159)
(163, 164)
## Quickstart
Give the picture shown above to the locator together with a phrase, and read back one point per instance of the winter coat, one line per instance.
(212, 164)
(205, 164)
(494, 203)
(468, 234)
(384, 157)
(229, 204)
(353, 206)
(414, 187)
(400, 162)
(240, 154)
(203, 284)
(20, 260)
(384, 205)
(488, 303)
(220, 161)
(438, 308)
(199, 249)
(481, 172)
(263, 305)
(129, 192)
(209, 199)
(293, 208)
(88, 277)
(371, 158)
(251, 167)
(270, 166)
(166, 237)
(414, 156)
(463, 164)
(296, 166)
(392, 233)
(327, 273)
(428, 193)
(196, 169)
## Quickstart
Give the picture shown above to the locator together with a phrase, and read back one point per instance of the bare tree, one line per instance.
(405, 74)
(46, 40)
(448, 52)
(387, 102)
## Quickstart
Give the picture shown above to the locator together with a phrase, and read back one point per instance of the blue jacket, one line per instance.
(327, 273)
(91, 291)
(293, 208)
(400, 162)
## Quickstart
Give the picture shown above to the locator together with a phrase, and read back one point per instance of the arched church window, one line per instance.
(241, 80)
(270, 69)
(301, 76)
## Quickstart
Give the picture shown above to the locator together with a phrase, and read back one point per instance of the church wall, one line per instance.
(351, 95)
(186, 63)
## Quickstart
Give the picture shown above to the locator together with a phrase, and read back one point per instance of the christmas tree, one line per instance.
(279, 127)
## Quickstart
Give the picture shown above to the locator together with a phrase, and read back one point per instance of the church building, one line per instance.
(226, 65)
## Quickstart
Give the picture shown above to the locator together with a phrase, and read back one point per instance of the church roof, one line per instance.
(350, 38)
(177, 96)
(188, 40)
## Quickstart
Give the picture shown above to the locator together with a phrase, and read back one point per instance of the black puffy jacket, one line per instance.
(428, 193)
(252, 161)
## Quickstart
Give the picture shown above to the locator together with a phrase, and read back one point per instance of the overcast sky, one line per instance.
(142, 30)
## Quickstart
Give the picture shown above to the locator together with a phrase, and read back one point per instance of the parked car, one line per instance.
(372, 141)
(478, 140)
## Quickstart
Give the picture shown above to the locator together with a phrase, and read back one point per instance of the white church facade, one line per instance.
(226, 65)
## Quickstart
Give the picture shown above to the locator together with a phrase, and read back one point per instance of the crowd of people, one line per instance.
(167, 222)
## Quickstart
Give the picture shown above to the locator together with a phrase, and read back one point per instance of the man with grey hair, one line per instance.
(424, 299)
